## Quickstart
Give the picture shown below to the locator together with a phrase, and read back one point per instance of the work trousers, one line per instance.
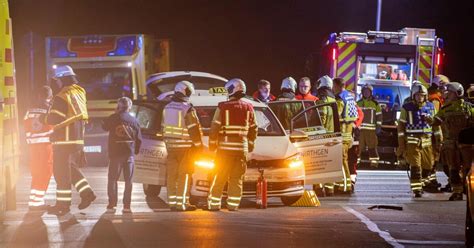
(230, 170)
(179, 171)
(67, 159)
(368, 139)
(458, 158)
(41, 167)
(420, 159)
(117, 165)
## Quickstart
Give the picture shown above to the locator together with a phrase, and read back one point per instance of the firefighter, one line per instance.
(371, 124)
(457, 115)
(470, 93)
(325, 85)
(348, 115)
(39, 146)
(285, 112)
(263, 93)
(414, 137)
(233, 133)
(183, 139)
(304, 88)
(436, 89)
(69, 114)
(353, 154)
(124, 142)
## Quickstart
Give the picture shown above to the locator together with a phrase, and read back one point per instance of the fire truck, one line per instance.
(107, 67)
(9, 139)
(390, 62)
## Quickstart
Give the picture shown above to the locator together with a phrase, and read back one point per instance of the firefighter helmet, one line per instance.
(288, 83)
(369, 87)
(418, 89)
(234, 86)
(439, 80)
(325, 81)
(456, 88)
(184, 87)
(63, 71)
(470, 92)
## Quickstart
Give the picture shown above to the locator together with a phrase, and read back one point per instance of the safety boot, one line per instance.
(86, 200)
(187, 207)
(446, 188)
(456, 197)
(417, 194)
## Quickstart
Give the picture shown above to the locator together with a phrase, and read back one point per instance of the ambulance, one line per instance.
(390, 62)
(291, 161)
(107, 67)
(9, 139)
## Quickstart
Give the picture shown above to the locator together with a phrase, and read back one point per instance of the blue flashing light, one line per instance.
(332, 38)
(440, 43)
(126, 46)
(58, 48)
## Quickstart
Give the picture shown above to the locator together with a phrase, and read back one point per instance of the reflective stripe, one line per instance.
(54, 111)
(37, 140)
(63, 198)
(233, 204)
(234, 198)
(215, 198)
(185, 190)
(40, 193)
(84, 188)
(401, 134)
(79, 183)
(379, 123)
(191, 125)
(410, 117)
(78, 142)
(63, 191)
(217, 122)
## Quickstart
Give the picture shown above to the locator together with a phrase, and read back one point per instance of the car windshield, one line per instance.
(200, 83)
(105, 83)
(391, 99)
(267, 123)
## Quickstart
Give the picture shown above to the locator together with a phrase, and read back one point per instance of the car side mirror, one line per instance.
(298, 135)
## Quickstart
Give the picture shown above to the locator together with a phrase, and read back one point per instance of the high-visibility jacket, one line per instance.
(347, 104)
(234, 128)
(326, 113)
(436, 99)
(68, 114)
(308, 96)
(414, 124)
(456, 115)
(181, 127)
(372, 114)
(36, 131)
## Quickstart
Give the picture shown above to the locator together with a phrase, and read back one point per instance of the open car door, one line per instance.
(150, 163)
(316, 134)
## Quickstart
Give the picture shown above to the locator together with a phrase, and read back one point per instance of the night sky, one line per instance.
(247, 39)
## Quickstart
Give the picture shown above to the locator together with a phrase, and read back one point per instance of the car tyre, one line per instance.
(289, 200)
(151, 190)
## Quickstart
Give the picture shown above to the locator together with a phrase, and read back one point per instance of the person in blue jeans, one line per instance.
(124, 143)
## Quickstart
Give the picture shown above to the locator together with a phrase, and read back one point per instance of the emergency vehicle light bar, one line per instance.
(383, 36)
(353, 37)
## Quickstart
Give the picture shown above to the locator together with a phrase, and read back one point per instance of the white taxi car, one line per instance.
(274, 153)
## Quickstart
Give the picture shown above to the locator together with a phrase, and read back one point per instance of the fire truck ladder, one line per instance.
(425, 57)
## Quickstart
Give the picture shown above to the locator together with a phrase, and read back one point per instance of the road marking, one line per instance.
(374, 228)
(430, 242)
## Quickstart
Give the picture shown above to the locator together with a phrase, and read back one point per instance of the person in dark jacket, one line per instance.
(124, 143)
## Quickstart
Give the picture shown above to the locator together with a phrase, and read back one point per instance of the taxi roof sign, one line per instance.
(217, 91)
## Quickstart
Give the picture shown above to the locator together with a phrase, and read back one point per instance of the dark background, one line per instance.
(247, 39)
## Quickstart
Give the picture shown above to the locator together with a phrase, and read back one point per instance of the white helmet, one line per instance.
(456, 88)
(325, 81)
(418, 89)
(288, 83)
(184, 87)
(439, 80)
(235, 85)
(63, 71)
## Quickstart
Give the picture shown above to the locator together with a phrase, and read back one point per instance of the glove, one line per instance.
(400, 151)
(378, 130)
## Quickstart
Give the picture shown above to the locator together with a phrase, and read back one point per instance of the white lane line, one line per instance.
(374, 228)
(430, 242)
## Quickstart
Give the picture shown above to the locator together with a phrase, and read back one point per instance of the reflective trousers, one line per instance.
(368, 139)
(66, 160)
(41, 166)
(116, 166)
(179, 171)
(230, 170)
(421, 162)
(458, 158)
(346, 129)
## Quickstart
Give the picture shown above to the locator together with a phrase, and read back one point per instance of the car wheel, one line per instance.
(469, 227)
(289, 200)
(151, 190)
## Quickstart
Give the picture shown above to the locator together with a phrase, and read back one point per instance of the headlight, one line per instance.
(206, 164)
(398, 115)
(294, 162)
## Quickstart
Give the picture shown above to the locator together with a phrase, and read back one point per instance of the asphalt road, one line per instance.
(341, 221)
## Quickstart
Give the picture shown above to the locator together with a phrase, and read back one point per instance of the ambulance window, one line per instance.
(105, 83)
(373, 70)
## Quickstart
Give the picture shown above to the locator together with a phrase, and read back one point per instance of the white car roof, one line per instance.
(171, 74)
(215, 100)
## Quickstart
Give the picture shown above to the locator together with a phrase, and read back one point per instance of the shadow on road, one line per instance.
(104, 234)
(32, 231)
(156, 203)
